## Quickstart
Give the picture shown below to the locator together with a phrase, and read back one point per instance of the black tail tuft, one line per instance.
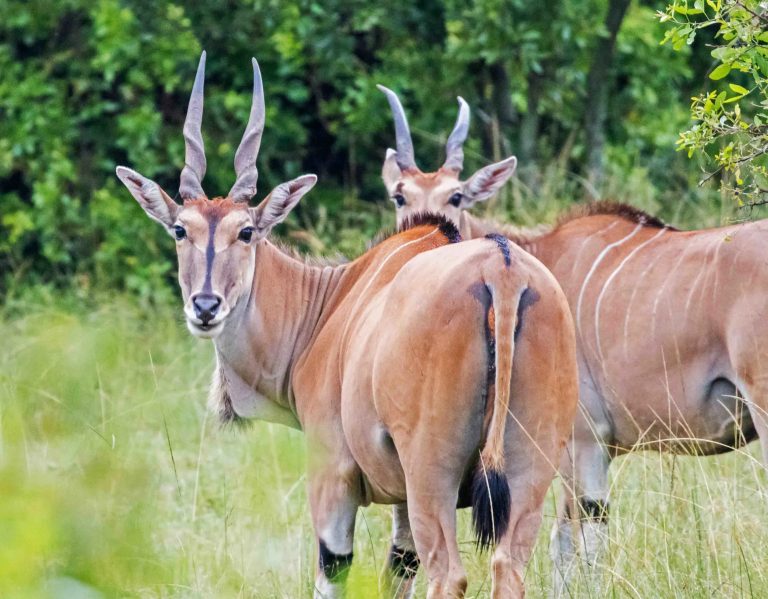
(491, 504)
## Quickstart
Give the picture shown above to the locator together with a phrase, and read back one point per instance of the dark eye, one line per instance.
(245, 234)
(399, 200)
(180, 232)
(455, 199)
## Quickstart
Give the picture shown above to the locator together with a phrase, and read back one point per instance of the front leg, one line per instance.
(402, 562)
(334, 495)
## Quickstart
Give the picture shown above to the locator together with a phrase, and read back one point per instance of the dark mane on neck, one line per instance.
(607, 207)
(422, 219)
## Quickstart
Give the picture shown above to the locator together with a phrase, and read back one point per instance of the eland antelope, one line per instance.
(669, 326)
(425, 374)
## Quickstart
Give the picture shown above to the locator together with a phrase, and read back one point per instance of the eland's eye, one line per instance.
(180, 232)
(455, 199)
(245, 234)
(399, 200)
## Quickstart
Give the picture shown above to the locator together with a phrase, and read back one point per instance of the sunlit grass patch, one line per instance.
(114, 480)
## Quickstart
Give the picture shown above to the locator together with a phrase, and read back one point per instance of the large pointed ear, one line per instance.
(278, 204)
(156, 203)
(390, 172)
(488, 180)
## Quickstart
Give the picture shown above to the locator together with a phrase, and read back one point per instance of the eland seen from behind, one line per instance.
(671, 329)
(426, 374)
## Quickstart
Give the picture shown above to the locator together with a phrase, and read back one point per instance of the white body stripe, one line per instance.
(607, 283)
(592, 270)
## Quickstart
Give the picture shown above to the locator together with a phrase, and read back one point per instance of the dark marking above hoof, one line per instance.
(335, 567)
(595, 510)
(404, 563)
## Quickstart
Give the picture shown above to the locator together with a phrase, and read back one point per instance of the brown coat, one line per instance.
(426, 373)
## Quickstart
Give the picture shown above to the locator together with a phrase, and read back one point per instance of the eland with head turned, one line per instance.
(671, 349)
(426, 374)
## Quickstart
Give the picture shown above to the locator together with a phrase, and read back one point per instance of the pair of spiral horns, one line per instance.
(245, 158)
(194, 149)
(454, 147)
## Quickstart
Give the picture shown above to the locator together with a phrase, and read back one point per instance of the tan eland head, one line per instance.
(440, 192)
(217, 239)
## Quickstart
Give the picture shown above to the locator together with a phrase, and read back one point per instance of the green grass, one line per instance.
(114, 480)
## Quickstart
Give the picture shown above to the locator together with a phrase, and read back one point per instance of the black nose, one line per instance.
(206, 305)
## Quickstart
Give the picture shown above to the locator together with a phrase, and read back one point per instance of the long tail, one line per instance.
(490, 490)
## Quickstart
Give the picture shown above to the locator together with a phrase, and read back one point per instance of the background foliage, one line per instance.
(88, 85)
(731, 116)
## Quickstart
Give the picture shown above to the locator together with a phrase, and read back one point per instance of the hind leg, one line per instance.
(591, 508)
(432, 512)
(433, 465)
(402, 561)
(514, 549)
(544, 396)
(533, 453)
(436, 439)
(563, 545)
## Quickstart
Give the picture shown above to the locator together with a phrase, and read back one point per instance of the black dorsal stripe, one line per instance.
(503, 244)
(611, 208)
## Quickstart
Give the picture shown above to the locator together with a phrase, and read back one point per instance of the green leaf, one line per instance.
(720, 99)
(738, 89)
(688, 11)
(720, 72)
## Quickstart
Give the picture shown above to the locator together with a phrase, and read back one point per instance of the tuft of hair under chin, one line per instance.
(220, 403)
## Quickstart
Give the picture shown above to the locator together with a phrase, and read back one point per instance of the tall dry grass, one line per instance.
(114, 481)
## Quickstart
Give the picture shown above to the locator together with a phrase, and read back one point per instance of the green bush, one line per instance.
(87, 85)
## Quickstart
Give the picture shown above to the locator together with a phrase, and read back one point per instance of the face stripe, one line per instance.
(210, 254)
